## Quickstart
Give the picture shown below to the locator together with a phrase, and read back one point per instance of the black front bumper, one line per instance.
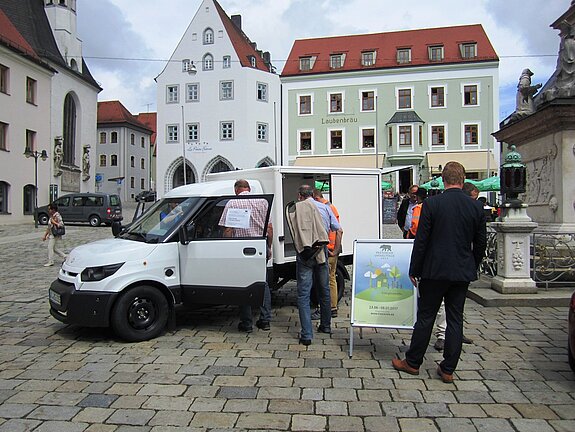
(85, 308)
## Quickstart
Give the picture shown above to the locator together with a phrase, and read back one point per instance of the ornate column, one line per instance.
(513, 232)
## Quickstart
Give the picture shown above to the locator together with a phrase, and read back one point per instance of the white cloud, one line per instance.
(152, 29)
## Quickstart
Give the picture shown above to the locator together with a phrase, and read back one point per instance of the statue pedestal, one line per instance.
(513, 252)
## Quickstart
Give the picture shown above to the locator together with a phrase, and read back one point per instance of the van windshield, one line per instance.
(160, 220)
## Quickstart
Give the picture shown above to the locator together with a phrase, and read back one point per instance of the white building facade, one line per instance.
(218, 102)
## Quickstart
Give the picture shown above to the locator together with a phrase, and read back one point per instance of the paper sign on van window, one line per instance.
(238, 218)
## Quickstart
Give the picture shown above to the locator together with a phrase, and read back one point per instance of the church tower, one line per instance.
(62, 17)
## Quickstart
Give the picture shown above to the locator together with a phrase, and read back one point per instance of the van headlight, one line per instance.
(94, 274)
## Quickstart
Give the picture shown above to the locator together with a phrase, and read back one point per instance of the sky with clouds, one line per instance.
(126, 43)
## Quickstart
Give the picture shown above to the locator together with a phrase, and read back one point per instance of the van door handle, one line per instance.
(250, 251)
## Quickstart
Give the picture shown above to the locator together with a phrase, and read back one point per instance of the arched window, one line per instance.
(114, 160)
(102, 160)
(220, 166)
(132, 139)
(4, 189)
(208, 36)
(74, 65)
(208, 62)
(29, 199)
(132, 161)
(143, 142)
(114, 137)
(69, 132)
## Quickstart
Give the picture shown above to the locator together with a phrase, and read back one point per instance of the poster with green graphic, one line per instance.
(382, 293)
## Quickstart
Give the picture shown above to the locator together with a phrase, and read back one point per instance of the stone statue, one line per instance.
(58, 156)
(525, 93)
(86, 163)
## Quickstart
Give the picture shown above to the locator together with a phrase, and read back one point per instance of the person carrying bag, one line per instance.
(54, 234)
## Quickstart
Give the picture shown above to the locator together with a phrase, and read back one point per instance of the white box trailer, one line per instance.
(176, 253)
(356, 193)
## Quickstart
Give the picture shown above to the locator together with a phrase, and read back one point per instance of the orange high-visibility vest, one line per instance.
(331, 235)
(414, 221)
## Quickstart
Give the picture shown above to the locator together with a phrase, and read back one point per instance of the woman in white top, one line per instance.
(53, 241)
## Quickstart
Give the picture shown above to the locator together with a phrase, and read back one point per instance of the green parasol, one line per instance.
(490, 184)
(436, 183)
(324, 186)
(386, 185)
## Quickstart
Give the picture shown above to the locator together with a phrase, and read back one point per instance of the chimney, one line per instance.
(267, 58)
(237, 20)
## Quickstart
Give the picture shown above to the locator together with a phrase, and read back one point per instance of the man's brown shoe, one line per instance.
(445, 377)
(402, 365)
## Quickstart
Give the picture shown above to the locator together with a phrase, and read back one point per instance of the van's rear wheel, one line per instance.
(95, 220)
(43, 219)
(140, 314)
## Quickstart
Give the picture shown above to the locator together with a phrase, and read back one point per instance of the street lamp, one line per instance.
(42, 155)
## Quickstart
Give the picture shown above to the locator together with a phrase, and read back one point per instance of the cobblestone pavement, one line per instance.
(205, 376)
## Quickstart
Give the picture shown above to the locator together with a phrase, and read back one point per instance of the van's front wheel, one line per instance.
(140, 314)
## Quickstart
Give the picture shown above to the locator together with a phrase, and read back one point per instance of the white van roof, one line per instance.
(214, 188)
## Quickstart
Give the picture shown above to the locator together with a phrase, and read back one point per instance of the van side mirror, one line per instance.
(117, 228)
(186, 232)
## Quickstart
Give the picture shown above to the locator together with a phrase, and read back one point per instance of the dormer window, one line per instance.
(253, 61)
(306, 63)
(435, 53)
(208, 36)
(336, 61)
(468, 50)
(368, 58)
(403, 55)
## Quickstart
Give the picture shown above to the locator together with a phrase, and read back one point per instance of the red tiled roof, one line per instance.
(11, 37)
(150, 120)
(115, 112)
(241, 42)
(386, 45)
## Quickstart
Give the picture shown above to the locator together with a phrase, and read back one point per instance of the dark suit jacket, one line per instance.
(451, 238)
(402, 212)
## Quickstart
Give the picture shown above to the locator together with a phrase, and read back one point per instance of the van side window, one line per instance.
(77, 202)
(207, 223)
(94, 201)
(63, 202)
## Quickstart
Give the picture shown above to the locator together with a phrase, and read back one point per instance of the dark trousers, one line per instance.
(431, 293)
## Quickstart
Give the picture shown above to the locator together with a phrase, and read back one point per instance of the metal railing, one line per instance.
(552, 258)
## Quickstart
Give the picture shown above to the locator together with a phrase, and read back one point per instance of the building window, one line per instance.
(253, 61)
(172, 94)
(405, 136)
(4, 188)
(30, 90)
(3, 136)
(142, 142)
(103, 136)
(69, 129)
(368, 100)
(103, 160)
(403, 55)
(262, 132)
(3, 79)
(470, 95)
(437, 97)
(435, 53)
(438, 135)
(193, 92)
(208, 36)
(227, 62)
(368, 138)
(304, 104)
(262, 92)
(226, 90)
(335, 139)
(30, 140)
(114, 137)
(132, 161)
(226, 131)
(471, 134)
(404, 99)
(468, 50)
(336, 61)
(305, 63)
(368, 58)
(305, 141)
(186, 65)
(132, 182)
(193, 132)
(142, 163)
(113, 160)
(132, 139)
(208, 62)
(390, 136)
(335, 103)
(172, 132)
(142, 183)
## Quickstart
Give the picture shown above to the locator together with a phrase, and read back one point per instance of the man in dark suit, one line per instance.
(447, 251)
